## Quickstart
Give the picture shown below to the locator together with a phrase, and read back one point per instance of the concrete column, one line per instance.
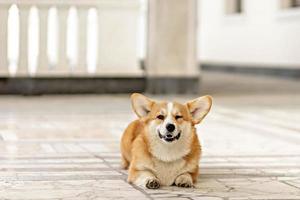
(286, 3)
(171, 63)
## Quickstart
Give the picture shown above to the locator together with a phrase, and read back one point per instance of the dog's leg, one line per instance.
(147, 179)
(125, 163)
(184, 180)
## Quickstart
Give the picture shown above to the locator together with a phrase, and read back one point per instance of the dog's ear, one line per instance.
(199, 108)
(141, 104)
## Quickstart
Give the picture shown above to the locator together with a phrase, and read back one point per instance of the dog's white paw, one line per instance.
(184, 180)
(152, 184)
(147, 179)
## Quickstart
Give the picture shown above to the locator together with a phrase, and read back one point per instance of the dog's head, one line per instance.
(170, 121)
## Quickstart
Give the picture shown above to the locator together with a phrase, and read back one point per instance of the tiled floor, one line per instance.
(67, 147)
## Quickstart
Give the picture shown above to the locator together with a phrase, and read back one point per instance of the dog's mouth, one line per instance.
(169, 139)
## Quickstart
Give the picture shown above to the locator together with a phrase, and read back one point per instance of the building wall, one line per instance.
(263, 35)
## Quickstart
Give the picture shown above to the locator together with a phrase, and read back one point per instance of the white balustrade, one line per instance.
(23, 47)
(117, 37)
(63, 65)
(82, 41)
(43, 64)
(117, 31)
(3, 40)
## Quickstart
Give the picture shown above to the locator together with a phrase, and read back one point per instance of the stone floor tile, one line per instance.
(250, 145)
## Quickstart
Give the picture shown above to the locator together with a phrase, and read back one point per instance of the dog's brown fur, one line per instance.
(138, 142)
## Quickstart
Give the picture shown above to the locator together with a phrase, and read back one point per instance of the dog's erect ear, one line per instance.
(141, 104)
(199, 108)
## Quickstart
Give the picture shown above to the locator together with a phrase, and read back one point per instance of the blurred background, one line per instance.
(245, 53)
(159, 47)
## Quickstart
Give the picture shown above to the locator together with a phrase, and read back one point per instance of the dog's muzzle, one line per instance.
(169, 139)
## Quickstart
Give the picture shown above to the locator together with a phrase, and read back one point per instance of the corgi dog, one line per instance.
(161, 148)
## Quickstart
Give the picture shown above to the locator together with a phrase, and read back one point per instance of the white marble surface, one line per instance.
(67, 147)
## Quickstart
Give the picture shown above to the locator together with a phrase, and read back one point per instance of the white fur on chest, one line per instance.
(167, 172)
(168, 162)
(170, 152)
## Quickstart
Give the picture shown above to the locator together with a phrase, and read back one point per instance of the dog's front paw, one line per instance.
(152, 184)
(184, 180)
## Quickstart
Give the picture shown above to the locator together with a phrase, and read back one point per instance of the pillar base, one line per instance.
(173, 85)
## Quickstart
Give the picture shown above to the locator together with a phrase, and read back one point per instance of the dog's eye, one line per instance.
(161, 117)
(178, 117)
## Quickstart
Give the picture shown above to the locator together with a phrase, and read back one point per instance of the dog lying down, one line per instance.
(161, 148)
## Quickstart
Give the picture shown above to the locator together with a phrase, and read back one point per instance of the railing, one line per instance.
(118, 24)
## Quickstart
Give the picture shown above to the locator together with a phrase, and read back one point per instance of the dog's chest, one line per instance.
(167, 172)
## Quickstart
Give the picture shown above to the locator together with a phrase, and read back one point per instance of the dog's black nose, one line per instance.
(170, 127)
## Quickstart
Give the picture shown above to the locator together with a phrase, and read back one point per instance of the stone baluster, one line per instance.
(63, 63)
(82, 41)
(23, 44)
(43, 63)
(3, 40)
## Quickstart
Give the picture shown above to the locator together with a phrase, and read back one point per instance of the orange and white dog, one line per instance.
(162, 147)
